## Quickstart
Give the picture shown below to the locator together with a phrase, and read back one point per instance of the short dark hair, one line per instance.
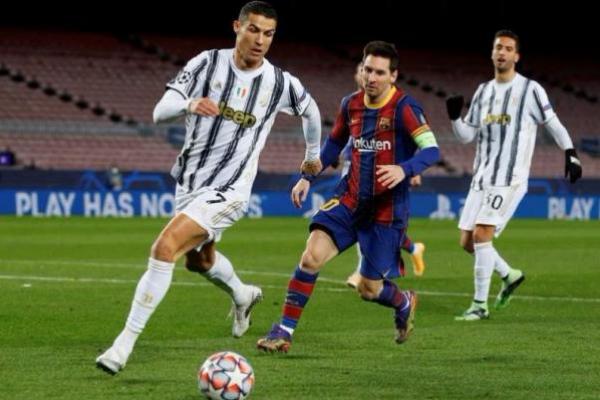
(510, 34)
(259, 8)
(383, 49)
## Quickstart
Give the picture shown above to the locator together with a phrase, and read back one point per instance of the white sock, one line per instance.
(500, 266)
(484, 266)
(359, 258)
(125, 341)
(287, 329)
(150, 291)
(223, 276)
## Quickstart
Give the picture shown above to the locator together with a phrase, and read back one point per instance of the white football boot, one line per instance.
(112, 360)
(241, 312)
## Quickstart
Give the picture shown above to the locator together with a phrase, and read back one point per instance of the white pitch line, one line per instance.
(83, 263)
(327, 289)
(62, 279)
(104, 264)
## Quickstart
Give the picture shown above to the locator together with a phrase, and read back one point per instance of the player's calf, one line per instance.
(368, 290)
(311, 261)
(404, 304)
(199, 261)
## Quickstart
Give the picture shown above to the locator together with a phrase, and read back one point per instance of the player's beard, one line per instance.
(504, 68)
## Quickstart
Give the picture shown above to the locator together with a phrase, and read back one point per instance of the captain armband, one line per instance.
(425, 139)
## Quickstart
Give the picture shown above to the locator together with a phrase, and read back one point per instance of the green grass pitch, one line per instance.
(66, 286)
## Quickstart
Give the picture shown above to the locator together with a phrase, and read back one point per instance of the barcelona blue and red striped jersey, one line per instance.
(380, 134)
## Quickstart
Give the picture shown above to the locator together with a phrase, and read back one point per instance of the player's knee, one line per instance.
(482, 235)
(164, 248)
(467, 244)
(192, 266)
(365, 291)
(466, 241)
(311, 261)
(199, 261)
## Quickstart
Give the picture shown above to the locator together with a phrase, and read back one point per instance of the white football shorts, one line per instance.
(213, 210)
(494, 205)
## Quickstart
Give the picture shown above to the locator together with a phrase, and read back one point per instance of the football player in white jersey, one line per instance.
(503, 117)
(229, 98)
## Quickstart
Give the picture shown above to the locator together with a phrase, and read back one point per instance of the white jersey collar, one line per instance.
(245, 74)
(501, 85)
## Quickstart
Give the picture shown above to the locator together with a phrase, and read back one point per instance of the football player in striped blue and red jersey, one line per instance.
(415, 249)
(391, 142)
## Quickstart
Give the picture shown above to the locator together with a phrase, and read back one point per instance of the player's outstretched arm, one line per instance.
(311, 167)
(173, 105)
(311, 126)
(428, 155)
(573, 170)
(390, 175)
(299, 192)
(203, 106)
(463, 132)
(170, 107)
(334, 144)
(416, 181)
(546, 116)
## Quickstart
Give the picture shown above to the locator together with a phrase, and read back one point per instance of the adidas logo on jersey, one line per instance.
(246, 120)
(369, 145)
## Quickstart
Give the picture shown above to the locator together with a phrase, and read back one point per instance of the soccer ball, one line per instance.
(225, 376)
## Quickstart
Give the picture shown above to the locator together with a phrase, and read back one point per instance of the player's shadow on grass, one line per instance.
(146, 381)
(129, 381)
(290, 357)
(492, 359)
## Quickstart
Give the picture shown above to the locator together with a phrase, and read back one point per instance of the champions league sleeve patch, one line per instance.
(182, 78)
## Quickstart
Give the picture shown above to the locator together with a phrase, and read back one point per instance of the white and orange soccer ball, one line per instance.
(225, 376)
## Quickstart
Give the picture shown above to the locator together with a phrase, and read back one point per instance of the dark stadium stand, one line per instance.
(128, 152)
(114, 75)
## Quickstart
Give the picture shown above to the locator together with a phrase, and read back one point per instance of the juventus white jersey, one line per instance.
(223, 151)
(507, 116)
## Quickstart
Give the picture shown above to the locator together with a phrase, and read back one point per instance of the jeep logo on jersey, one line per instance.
(500, 119)
(246, 120)
(369, 145)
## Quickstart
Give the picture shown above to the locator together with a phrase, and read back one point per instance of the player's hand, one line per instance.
(390, 175)
(573, 170)
(416, 180)
(204, 106)
(454, 105)
(299, 192)
(311, 167)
